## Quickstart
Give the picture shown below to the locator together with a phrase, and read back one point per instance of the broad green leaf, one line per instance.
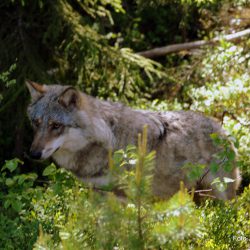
(11, 164)
(50, 170)
(22, 178)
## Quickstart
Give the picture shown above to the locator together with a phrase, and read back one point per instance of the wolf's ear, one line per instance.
(70, 98)
(36, 90)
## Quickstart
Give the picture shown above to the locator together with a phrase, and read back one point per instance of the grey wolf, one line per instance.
(78, 130)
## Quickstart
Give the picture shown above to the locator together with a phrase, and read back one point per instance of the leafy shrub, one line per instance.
(17, 230)
(226, 223)
(64, 214)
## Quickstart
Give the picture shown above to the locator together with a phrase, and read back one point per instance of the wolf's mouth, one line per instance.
(56, 149)
(49, 152)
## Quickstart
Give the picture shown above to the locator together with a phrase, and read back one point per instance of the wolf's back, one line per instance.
(188, 141)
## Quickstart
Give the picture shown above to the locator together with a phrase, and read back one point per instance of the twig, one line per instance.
(207, 195)
(202, 190)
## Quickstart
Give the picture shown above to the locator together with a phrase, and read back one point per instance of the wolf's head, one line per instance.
(58, 119)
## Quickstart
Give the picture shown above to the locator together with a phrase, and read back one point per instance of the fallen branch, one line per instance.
(161, 51)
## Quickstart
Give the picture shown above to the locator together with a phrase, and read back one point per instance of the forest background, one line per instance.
(99, 47)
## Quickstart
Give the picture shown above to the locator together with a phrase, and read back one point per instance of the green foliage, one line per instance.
(14, 198)
(226, 94)
(6, 81)
(63, 214)
(194, 172)
(177, 221)
(225, 228)
(5, 76)
(90, 44)
(99, 8)
(135, 223)
(16, 192)
(225, 160)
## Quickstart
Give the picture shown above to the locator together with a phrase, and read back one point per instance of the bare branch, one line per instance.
(161, 51)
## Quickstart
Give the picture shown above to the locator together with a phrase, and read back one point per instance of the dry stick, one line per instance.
(201, 190)
(207, 195)
(161, 51)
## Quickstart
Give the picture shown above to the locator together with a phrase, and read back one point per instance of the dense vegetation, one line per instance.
(93, 45)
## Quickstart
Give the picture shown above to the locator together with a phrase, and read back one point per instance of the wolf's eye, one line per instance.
(55, 126)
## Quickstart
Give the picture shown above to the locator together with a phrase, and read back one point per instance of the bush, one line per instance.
(64, 214)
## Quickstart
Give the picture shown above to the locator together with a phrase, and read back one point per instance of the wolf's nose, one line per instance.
(35, 154)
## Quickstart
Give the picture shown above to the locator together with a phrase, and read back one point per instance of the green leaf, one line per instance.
(216, 139)
(11, 164)
(57, 188)
(6, 204)
(194, 171)
(32, 176)
(231, 155)
(214, 167)
(237, 144)
(118, 156)
(228, 166)
(17, 205)
(214, 136)
(9, 182)
(50, 170)
(21, 179)
(26, 177)
(130, 148)
(215, 181)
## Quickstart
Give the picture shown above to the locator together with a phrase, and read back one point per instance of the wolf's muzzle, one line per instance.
(35, 154)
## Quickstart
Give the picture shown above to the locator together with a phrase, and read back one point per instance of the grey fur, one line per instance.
(92, 126)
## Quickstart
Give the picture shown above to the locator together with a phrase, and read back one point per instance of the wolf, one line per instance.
(78, 131)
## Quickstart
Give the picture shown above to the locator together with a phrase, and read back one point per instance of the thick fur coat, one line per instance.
(77, 131)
